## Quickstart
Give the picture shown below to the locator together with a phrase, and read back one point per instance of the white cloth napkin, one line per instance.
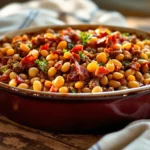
(47, 12)
(135, 136)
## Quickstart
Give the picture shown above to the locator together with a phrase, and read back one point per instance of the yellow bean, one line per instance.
(49, 35)
(24, 48)
(146, 81)
(67, 55)
(146, 75)
(140, 44)
(114, 83)
(48, 83)
(23, 86)
(120, 57)
(52, 71)
(34, 53)
(144, 56)
(127, 46)
(109, 76)
(86, 90)
(62, 45)
(127, 55)
(91, 67)
(93, 39)
(37, 86)
(121, 71)
(23, 76)
(53, 56)
(117, 63)
(44, 53)
(63, 89)
(118, 75)
(104, 80)
(12, 75)
(139, 76)
(116, 46)
(101, 57)
(110, 66)
(33, 71)
(16, 57)
(65, 67)
(34, 79)
(13, 82)
(122, 88)
(10, 52)
(79, 84)
(97, 89)
(129, 72)
(131, 78)
(133, 84)
(58, 81)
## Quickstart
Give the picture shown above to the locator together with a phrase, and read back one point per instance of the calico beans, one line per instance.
(74, 61)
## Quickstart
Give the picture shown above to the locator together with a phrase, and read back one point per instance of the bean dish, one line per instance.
(75, 61)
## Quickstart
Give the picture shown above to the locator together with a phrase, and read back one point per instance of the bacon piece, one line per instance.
(75, 57)
(4, 78)
(77, 72)
(101, 72)
(19, 79)
(28, 61)
(53, 89)
(58, 64)
(135, 65)
(45, 47)
(77, 48)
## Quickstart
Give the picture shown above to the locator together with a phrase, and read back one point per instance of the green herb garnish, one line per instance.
(126, 63)
(101, 64)
(70, 45)
(125, 34)
(85, 37)
(3, 69)
(30, 46)
(42, 64)
(73, 90)
(64, 50)
(82, 56)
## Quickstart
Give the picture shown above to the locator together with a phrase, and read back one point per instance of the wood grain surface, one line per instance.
(14, 136)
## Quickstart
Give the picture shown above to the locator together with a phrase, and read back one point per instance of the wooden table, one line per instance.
(14, 136)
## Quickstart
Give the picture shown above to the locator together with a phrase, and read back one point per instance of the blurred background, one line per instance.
(137, 12)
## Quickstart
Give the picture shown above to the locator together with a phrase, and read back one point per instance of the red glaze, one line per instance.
(75, 115)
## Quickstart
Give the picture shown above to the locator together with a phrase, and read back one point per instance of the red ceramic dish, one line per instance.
(75, 112)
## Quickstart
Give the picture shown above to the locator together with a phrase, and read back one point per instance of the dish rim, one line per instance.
(73, 96)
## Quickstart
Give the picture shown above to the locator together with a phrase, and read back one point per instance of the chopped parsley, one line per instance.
(73, 90)
(30, 46)
(101, 64)
(85, 37)
(42, 64)
(126, 63)
(82, 56)
(64, 50)
(3, 69)
(125, 34)
(70, 45)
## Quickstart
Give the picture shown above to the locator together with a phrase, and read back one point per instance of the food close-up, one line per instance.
(74, 61)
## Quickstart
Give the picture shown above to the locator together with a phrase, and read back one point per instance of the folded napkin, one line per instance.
(48, 12)
(135, 136)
